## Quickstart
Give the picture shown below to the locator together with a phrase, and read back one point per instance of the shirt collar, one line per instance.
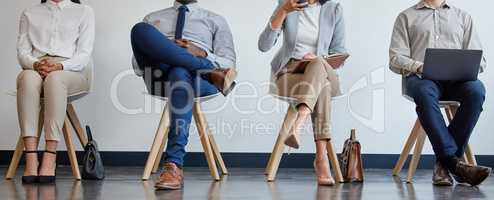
(63, 4)
(191, 6)
(422, 5)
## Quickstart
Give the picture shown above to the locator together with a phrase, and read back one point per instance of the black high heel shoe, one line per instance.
(29, 179)
(48, 179)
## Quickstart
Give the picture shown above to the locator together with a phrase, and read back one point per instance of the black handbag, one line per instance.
(92, 168)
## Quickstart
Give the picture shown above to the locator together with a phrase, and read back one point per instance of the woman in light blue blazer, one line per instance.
(312, 29)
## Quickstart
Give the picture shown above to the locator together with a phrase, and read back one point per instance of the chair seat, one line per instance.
(292, 100)
(196, 99)
(441, 103)
(70, 98)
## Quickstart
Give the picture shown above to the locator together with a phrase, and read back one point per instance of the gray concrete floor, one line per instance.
(124, 183)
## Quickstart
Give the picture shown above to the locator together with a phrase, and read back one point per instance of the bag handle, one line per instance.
(89, 135)
(353, 135)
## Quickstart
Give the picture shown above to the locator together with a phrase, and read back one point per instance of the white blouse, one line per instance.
(308, 31)
(63, 29)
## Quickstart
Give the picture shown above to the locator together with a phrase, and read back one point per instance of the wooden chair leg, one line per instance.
(160, 136)
(449, 113)
(333, 158)
(470, 157)
(407, 148)
(416, 155)
(76, 123)
(14, 163)
(278, 142)
(279, 146)
(205, 141)
(160, 156)
(71, 150)
(217, 154)
(75, 192)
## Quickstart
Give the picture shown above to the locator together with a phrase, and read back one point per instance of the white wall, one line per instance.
(382, 117)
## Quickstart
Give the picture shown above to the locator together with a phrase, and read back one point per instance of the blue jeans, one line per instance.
(182, 70)
(447, 141)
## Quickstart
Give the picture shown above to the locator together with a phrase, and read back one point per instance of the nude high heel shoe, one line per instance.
(323, 180)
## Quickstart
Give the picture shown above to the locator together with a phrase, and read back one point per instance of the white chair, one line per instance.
(211, 150)
(417, 138)
(279, 147)
(70, 120)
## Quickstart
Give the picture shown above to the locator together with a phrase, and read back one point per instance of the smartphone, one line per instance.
(306, 2)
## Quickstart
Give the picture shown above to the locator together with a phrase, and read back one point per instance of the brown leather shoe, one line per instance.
(171, 179)
(223, 79)
(441, 176)
(473, 175)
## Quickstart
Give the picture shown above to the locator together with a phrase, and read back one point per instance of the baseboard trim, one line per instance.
(249, 160)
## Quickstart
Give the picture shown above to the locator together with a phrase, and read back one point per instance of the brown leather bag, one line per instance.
(351, 160)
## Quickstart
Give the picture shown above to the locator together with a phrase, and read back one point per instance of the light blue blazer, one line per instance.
(331, 35)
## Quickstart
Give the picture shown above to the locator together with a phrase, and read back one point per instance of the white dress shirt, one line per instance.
(308, 31)
(63, 29)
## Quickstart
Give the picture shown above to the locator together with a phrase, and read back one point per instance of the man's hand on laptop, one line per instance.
(193, 49)
(420, 70)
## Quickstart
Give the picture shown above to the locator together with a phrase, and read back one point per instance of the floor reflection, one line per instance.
(458, 191)
(352, 191)
(213, 192)
(49, 192)
(244, 185)
(70, 191)
(90, 189)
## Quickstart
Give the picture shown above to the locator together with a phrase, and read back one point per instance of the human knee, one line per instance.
(179, 74)
(29, 79)
(54, 80)
(475, 91)
(425, 94)
(140, 28)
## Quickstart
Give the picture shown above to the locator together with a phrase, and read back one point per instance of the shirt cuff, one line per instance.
(30, 62)
(416, 66)
(274, 29)
(69, 66)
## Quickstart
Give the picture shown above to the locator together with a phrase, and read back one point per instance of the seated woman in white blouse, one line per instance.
(54, 47)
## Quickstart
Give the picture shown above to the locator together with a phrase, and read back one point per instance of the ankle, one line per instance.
(321, 157)
(303, 109)
(449, 162)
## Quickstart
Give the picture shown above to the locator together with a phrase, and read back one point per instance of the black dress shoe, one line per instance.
(30, 179)
(473, 175)
(441, 176)
(48, 179)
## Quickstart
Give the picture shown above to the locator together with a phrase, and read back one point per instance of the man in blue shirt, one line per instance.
(191, 49)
